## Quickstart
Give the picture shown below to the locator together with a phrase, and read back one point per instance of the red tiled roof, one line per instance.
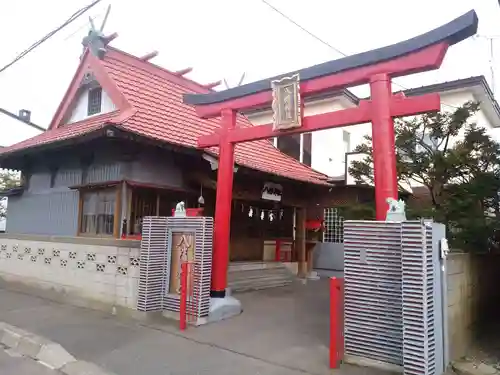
(60, 134)
(159, 113)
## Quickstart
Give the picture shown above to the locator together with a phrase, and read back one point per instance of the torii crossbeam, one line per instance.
(286, 92)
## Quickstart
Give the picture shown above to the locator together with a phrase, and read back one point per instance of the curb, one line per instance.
(46, 352)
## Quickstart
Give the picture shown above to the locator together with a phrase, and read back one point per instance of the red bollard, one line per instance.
(277, 255)
(336, 322)
(184, 292)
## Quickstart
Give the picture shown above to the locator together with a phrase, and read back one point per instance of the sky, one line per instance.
(226, 38)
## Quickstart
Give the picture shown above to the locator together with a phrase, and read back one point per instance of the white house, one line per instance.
(13, 129)
(330, 151)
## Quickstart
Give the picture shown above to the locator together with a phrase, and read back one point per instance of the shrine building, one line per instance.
(122, 146)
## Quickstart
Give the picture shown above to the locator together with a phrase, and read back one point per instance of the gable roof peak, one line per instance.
(148, 99)
(178, 77)
(96, 42)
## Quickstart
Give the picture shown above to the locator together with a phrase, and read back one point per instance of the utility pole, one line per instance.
(492, 64)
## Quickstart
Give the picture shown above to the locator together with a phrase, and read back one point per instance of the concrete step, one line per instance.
(259, 286)
(264, 276)
(247, 276)
(252, 266)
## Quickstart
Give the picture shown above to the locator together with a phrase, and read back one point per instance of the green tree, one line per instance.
(8, 180)
(458, 165)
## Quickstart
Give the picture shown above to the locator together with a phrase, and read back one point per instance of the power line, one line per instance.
(73, 17)
(82, 26)
(303, 28)
(328, 44)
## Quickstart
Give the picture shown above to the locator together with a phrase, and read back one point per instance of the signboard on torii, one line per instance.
(287, 92)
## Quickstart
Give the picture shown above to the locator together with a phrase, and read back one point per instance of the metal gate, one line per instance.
(394, 307)
(334, 226)
(328, 255)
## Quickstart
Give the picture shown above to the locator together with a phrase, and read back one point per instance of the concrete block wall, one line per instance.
(107, 274)
(472, 283)
(461, 281)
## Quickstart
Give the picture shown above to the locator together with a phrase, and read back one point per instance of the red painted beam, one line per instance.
(400, 106)
(417, 105)
(328, 120)
(429, 58)
(322, 121)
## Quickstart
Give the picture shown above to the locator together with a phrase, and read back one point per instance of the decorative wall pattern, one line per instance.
(108, 274)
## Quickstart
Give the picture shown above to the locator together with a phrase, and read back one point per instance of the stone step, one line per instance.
(259, 286)
(247, 276)
(251, 266)
(269, 277)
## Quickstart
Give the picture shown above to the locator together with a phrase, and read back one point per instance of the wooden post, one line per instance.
(310, 250)
(300, 240)
(130, 192)
(80, 212)
(124, 209)
(158, 203)
(118, 210)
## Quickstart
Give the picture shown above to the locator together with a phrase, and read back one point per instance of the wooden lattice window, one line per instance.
(94, 101)
(98, 212)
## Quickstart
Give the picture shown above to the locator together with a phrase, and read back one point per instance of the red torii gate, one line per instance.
(376, 67)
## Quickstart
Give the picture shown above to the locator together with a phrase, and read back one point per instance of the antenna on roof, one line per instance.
(96, 41)
(91, 21)
(105, 18)
(239, 82)
(241, 79)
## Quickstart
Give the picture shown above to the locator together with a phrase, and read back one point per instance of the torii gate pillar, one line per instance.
(384, 149)
(287, 92)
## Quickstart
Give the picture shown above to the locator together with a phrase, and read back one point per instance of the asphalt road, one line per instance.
(16, 365)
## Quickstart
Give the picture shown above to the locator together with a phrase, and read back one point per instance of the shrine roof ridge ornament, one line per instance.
(453, 32)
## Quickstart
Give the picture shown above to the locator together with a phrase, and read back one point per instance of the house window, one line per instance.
(307, 149)
(98, 212)
(94, 101)
(290, 145)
